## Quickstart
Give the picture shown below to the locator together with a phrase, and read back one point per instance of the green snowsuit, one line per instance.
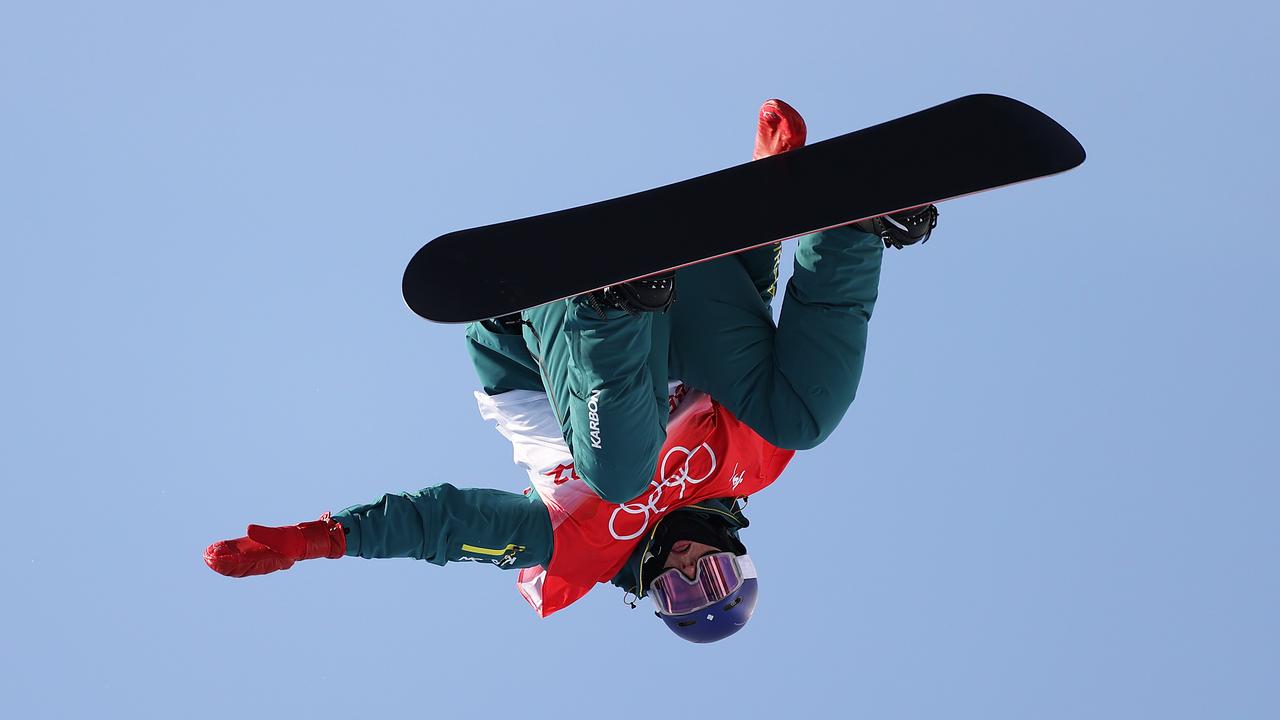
(607, 378)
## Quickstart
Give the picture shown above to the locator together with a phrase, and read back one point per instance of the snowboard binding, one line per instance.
(655, 293)
(901, 229)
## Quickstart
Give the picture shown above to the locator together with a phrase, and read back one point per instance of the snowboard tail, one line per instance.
(969, 145)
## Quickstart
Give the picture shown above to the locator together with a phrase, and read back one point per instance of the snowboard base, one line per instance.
(966, 146)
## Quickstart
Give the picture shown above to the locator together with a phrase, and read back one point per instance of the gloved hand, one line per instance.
(268, 549)
(779, 128)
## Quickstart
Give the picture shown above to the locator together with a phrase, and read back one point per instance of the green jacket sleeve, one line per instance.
(443, 524)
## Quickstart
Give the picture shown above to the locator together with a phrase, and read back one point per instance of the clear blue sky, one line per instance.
(1056, 496)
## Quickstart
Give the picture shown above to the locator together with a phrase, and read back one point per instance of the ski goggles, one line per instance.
(717, 577)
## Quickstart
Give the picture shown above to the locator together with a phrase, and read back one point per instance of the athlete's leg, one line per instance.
(607, 382)
(779, 129)
(761, 265)
(793, 383)
(501, 358)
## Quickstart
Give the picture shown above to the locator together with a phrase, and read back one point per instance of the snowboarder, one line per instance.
(637, 479)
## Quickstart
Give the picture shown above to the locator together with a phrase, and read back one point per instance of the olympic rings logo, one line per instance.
(679, 478)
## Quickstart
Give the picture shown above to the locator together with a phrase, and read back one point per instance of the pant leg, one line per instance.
(607, 381)
(501, 359)
(761, 265)
(791, 383)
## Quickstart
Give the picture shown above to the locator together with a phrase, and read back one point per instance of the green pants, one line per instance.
(607, 377)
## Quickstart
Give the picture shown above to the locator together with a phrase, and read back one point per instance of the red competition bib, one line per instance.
(708, 454)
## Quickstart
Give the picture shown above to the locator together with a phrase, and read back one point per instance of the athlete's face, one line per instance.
(684, 556)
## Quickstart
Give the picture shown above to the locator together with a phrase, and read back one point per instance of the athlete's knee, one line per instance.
(802, 438)
(620, 474)
(618, 486)
(802, 428)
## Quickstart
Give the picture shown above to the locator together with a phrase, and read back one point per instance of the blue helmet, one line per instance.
(717, 603)
(717, 622)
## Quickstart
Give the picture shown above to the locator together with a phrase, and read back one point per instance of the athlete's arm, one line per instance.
(439, 524)
(443, 524)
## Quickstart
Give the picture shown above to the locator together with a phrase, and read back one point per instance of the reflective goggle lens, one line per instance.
(717, 575)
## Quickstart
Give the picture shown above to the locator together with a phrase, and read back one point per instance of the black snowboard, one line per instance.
(975, 143)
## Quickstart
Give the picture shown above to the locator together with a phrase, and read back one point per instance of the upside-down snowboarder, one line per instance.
(636, 479)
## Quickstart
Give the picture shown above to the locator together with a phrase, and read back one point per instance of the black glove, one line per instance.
(904, 228)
